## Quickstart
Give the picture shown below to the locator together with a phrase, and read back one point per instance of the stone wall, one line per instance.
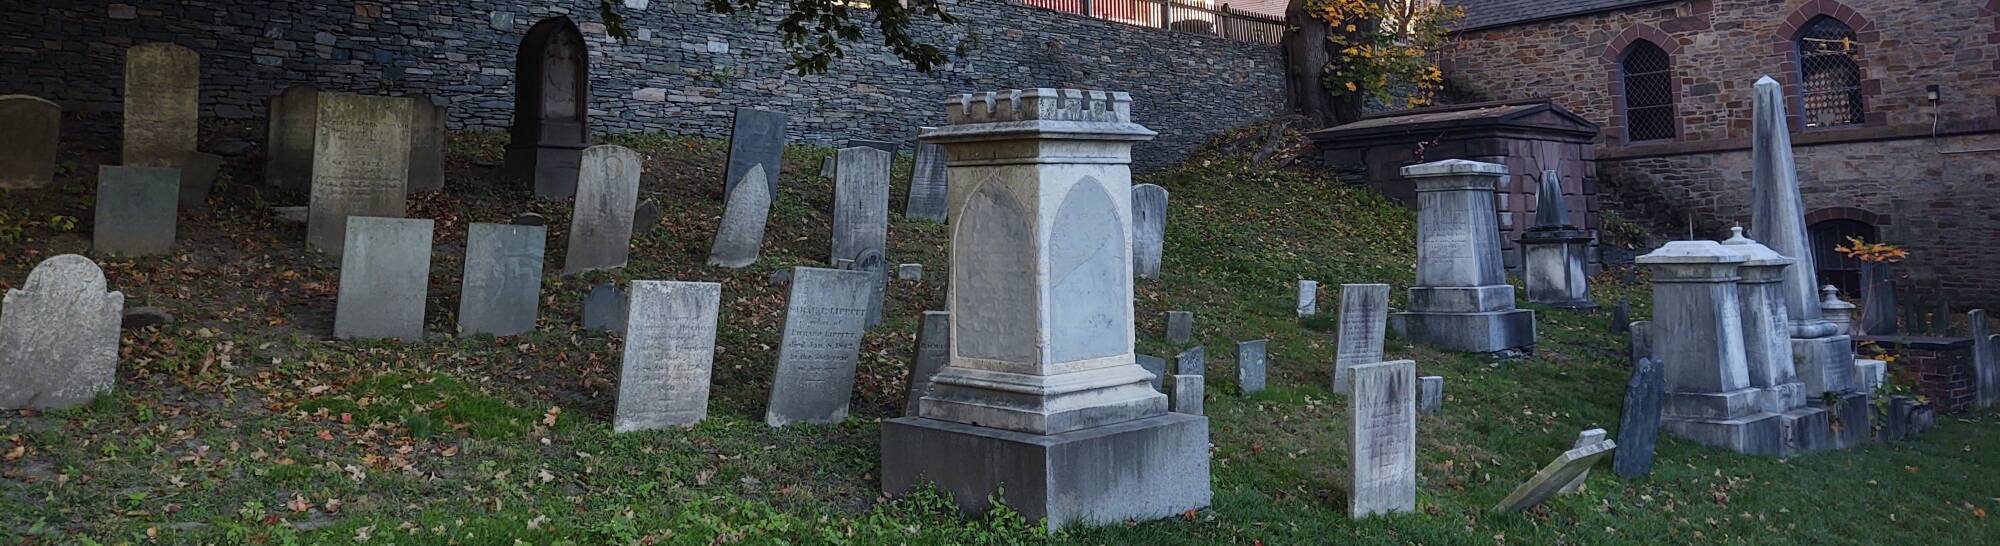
(684, 72)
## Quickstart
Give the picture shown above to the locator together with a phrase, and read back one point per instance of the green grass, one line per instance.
(242, 423)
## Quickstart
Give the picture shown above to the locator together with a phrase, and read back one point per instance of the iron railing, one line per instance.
(1190, 16)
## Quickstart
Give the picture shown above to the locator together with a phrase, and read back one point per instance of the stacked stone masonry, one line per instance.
(684, 70)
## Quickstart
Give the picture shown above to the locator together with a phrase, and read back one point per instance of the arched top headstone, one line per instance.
(29, 160)
(63, 273)
(59, 336)
(552, 85)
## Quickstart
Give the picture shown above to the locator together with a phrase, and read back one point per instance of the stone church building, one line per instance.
(1894, 106)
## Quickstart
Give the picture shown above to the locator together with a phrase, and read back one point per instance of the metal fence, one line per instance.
(1191, 16)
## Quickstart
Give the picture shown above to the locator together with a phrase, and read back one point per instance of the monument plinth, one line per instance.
(1461, 301)
(1553, 252)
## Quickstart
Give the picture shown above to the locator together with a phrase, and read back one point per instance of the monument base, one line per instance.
(1151, 468)
(1753, 434)
(1805, 430)
(1852, 419)
(1825, 364)
(550, 170)
(1487, 332)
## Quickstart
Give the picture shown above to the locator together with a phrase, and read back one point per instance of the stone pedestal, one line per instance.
(1553, 261)
(1697, 314)
(1043, 398)
(1767, 348)
(1461, 300)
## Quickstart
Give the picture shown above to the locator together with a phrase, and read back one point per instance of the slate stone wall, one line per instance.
(684, 72)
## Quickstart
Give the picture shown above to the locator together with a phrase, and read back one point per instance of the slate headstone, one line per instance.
(663, 380)
(135, 210)
(1308, 304)
(1364, 314)
(360, 164)
(607, 192)
(503, 279)
(1552, 478)
(59, 336)
(1985, 364)
(551, 123)
(1639, 419)
(162, 98)
(1180, 326)
(604, 309)
(1430, 394)
(427, 136)
(930, 187)
(646, 216)
(1583, 439)
(756, 141)
(1149, 229)
(1621, 316)
(1250, 365)
(1156, 365)
(1186, 394)
(1382, 439)
(1191, 362)
(740, 235)
(29, 158)
(828, 166)
(289, 136)
(198, 172)
(933, 352)
(860, 204)
(384, 279)
(872, 263)
(824, 321)
(529, 219)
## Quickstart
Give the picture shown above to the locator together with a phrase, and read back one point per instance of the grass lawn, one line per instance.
(244, 423)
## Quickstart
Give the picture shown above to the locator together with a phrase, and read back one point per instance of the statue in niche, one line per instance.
(551, 105)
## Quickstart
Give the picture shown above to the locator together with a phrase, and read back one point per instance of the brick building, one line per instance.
(1894, 104)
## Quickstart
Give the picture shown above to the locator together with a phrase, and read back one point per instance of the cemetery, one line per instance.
(1038, 310)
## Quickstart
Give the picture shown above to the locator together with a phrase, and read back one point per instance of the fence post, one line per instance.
(1087, 9)
(1222, 19)
(1166, 13)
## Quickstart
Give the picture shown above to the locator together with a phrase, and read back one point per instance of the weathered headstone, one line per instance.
(1639, 419)
(59, 336)
(385, 276)
(1430, 394)
(910, 272)
(1308, 304)
(1638, 341)
(1583, 439)
(29, 158)
(1251, 365)
(503, 279)
(551, 109)
(360, 164)
(604, 309)
(1872, 373)
(427, 136)
(1149, 229)
(860, 204)
(1553, 251)
(646, 216)
(828, 166)
(1767, 344)
(933, 352)
(162, 98)
(288, 144)
(607, 192)
(1709, 398)
(1382, 439)
(1156, 366)
(1364, 310)
(1180, 326)
(669, 348)
(135, 210)
(529, 219)
(1551, 480)
(1777, 219)
(1461, 300)
(873, 263)
(824, 321)
(198, 172)
(1191, 362)
(756, 142)
(1985, 369)
(740, 235)
(1621, 316)
(1186, 395)
(930, 186)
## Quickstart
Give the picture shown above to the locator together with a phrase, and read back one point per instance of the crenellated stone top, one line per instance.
(1087, 114)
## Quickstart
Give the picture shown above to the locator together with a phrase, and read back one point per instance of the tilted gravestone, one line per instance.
(360, 164)
(1382, 439)
(1551, 480)
(824, 321)
(162, 99)
(1149, 229)
(551, 109)
(1250, 365)
(59, 336)
(1583, 439)
(607, 194)
(1156, 366)
(1193, 361)
(604, 309)
(1364, 311)
(1186, 394)
(669, 350)
(933, 352)
(503, 279)
(646, 216)
(860, 204)
(288, 140)
(1308, 304)
(198, 172)
(740, 235)
(1180, 326)
(384, 279)
(427, 136)
(29, 158)
(756, 141)
(930, 186)
(135, 210)
(1639, 419)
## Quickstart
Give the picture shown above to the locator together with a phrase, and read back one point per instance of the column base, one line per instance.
(1488, 332)
(1805, 430)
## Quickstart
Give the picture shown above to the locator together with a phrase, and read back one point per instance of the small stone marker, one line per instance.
(1186, 394)
(910, 272)
(756, 141)
(669, 349)
(427, 137)
(873, 264)
(1191, 362)
(828, 166)
(1382, 439)
(1621, 316)
(529, 219)
(1364, 314)
(1308, 298)
(1156, 365)
(360, 164)
(933, 352)
(824, 320)
(162, 98)
(1583, 439)
(604, 309)
(135, 210)
(1180, 326)
(1985, 364)
(929, 185)
(288, 145)
(607, 194)
(59, 336)
(1250, 365)
(646, 216)
(1638, 341)
(137, 318)
(198, 172)
(1149, 229)
(29, 158)
(860, 204)
(1550, 480)
(1639, 419)
(385, 274)
(1430, 394)
(503, 279)
(740, 235)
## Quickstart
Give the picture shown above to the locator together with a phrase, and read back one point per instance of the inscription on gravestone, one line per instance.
(162, 97)
(824, 321)
(994, 284)
(607, 195)
(135, 210)
(929, 185)
(360, 164)
(1382, 439)
(1149, 229)
(1364, 314)
(669, 351)
(59, 336)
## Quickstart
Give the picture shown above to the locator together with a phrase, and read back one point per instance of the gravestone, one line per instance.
(1583, 439)
(910, 272)
(933, 352)
(1639, 419)
(1149, 229)
(427, 136)
(162, 99)
(29, 158)
(503, 279)
(1871, 372)
(1180, 326)
(882, 145)
(59, 336)
(1191, 362)
(827, 166)
(1554, 252)
(360, 164)
(1461, 300)
(1621, 316)
(1985, 370)
(646, 216)
(198, 172)
(1308, 304)
(1430, 394)
(1156, 366)
(1250, 365)
(135, 210)
(740, 235)
(1709, 398)
(1382, 439)
(1550, 481)
(756, 142)
(607, 192)
(930, 186)
(1364, 310)
(669, 348)
(385, 274)
(604, 309)
(551, 109)
(1767, 344)
(1639, 341)
(529, 219)
(860, 204)
(824, 321)
(872, 263)
(289, 136)
(1186, 394)
(1825, 357)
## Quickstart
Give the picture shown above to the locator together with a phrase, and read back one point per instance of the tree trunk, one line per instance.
(1308, 56)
